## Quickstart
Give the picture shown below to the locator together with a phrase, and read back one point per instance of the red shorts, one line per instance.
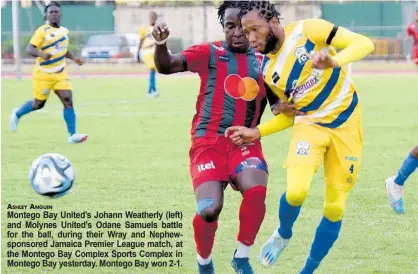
(218, 159)
(415, 55)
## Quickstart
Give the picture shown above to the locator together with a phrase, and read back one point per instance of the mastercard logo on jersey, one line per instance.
(241, 88)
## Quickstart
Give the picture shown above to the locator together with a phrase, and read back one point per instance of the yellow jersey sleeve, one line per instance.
(278, 123)
(38, 37)
(354, 46)
(142, 32)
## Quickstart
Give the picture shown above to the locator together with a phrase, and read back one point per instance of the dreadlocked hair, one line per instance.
(227, 5)
(52, 4)
(265, 9)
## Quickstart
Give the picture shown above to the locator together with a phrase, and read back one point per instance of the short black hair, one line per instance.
(265, 9)
(52, 4)
(227, 5)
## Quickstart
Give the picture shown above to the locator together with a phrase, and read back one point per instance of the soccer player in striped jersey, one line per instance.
(299, 67)
(232, 92)
(49, 45)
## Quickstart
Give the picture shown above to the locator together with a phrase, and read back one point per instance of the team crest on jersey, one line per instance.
(241, 88)
(302, 148)
(302, 55)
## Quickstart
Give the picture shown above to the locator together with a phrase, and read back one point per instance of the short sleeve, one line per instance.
(38, 37)
(142, 32)
(196, 57)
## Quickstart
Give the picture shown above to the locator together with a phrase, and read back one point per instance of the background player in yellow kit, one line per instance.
(146, 49)
(299, 67)
(49, 45)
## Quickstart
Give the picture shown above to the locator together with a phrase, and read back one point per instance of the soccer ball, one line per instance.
(51, 175)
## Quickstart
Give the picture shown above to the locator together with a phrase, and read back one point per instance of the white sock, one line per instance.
(243, 251)
(202, 261)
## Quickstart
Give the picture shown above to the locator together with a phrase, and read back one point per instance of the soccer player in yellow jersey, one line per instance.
(299, 69)
(146, 48)
(49, 45)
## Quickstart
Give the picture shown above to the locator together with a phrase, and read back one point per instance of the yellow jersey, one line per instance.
(54, 41)
(328, 96)
(148, 46)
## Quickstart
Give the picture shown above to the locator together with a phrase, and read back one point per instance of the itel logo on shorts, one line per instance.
(203, 167)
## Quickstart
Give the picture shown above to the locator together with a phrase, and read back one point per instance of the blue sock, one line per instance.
(152, 87)
(325, 236)
(24, 109)
(408, 166)
(287, 216)
(69, 117)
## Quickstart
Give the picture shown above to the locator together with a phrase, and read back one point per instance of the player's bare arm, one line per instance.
(77, 60)
(165, 62)
(33, 51)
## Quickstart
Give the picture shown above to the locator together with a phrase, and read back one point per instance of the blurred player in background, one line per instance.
(49, 45)
(412, 33)
(146, 50)
(394, 184)
(297, 69)
(232, 92)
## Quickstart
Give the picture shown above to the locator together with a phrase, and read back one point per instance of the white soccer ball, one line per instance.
(51, 175)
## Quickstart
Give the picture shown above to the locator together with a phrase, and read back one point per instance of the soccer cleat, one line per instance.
(395, 194)
(153, 94)
(14, 120)
(272, 249)
(77, 138)
(242, 265)
(206, 268)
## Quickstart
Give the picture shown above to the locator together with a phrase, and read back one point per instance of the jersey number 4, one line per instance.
(352, 169)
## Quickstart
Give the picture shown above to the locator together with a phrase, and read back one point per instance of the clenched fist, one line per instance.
(160, 32)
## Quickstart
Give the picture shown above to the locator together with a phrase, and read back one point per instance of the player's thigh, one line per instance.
(63, 85)
(415, 55)
(343, 159)
(207, 162)
(307, 147)
(247, 167)
(335, 203)
(42, 88)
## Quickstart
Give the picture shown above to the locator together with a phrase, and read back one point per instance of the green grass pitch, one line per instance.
(136, 158)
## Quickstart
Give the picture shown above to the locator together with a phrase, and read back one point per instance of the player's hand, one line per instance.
(322, 60)
(46, 56)
(240, 135)
(160, 32)
(78, 61)
(287, 109)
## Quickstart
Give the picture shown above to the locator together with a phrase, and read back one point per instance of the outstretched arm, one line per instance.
(165, 62)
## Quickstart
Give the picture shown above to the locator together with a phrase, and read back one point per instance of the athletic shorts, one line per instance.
(218, 159)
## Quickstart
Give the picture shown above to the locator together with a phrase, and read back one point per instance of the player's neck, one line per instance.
(54, 25)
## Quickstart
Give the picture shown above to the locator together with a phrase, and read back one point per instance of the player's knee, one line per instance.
(209, 209)
(296, 197)
(67, 101)
(38, 104)
(414, 152)
(334, 212)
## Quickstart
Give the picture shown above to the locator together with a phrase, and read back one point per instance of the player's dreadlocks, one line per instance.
(227, 5)
(265, 9)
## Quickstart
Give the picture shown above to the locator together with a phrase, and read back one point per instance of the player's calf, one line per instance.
(26, 108)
